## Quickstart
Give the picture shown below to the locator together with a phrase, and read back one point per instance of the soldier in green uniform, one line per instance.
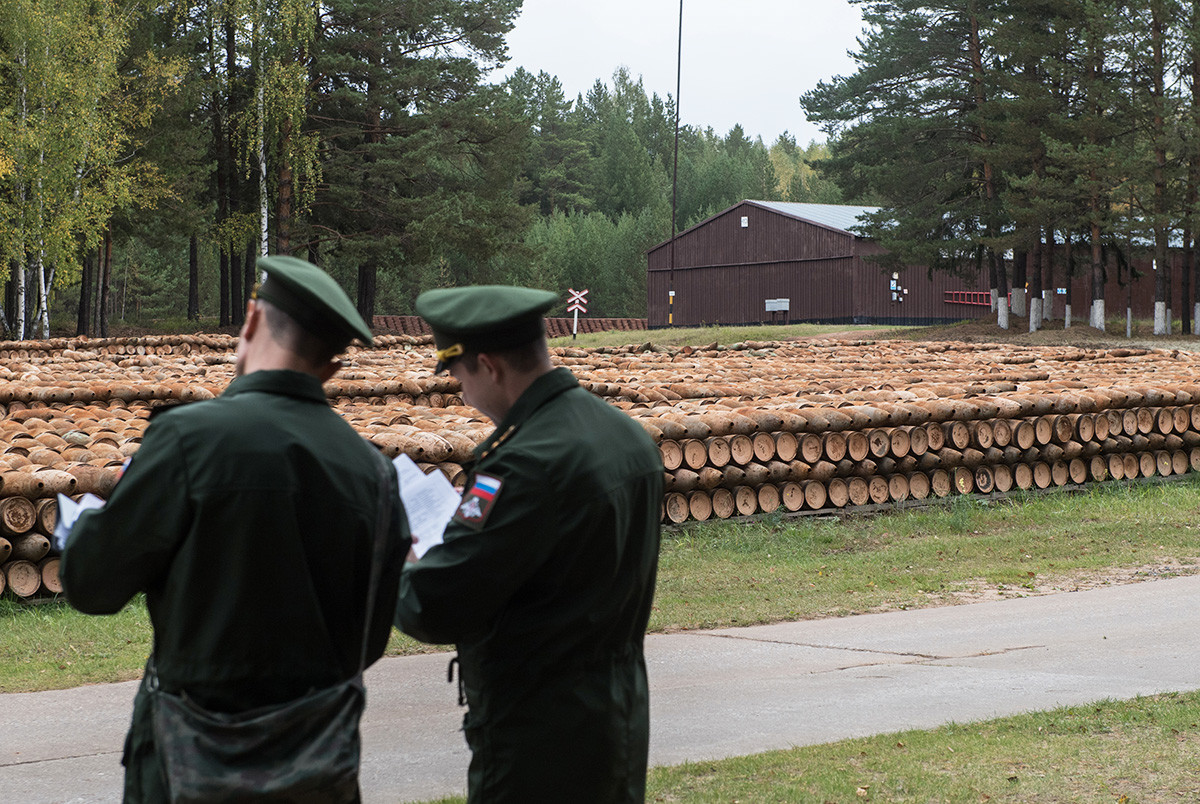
(546, 574)
(249, 523)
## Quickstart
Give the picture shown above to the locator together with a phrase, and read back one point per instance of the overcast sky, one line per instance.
(744, 61)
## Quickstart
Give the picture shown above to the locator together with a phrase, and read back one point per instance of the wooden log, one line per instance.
(5, 552)
(815, 495)
(23, 484)
(1194, 458)
(982, 435)
(1179, 462)
(22, 577)
(792, 495)
(858, 490)
(1060, 473)
(1100, 429)
(1002, 477)
(1129, 422)
(1146, 420)
(1077, 469)
(1097, 468)
(17, 516)
(676, 507)
(671, 454)
(1164, 420)
(756, 474)
(700, 505)
(768, 498)
(731, 477)
(838, 492)
(1083, 428)
(1042, 476)
(48, 569)
(1194, 414)
(898, 488)
(745, 498)
(722, 503)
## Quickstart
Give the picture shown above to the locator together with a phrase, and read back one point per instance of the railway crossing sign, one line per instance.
(576, 303)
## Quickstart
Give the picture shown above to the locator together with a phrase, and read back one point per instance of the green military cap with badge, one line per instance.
(483, 318)
(312, 298)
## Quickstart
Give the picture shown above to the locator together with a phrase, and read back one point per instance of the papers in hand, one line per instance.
(68, 512)
(429, 501)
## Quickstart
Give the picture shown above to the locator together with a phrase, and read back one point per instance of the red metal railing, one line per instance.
(977, 298)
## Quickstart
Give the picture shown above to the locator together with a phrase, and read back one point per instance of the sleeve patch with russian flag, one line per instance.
(477, 501)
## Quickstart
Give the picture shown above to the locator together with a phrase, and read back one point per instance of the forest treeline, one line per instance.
(1045, 137)
(149, 151)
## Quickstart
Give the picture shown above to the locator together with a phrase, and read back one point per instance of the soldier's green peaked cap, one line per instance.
(483, 318)
(312, 298)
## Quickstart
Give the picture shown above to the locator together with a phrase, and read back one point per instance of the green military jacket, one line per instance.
(248, 521)
(545, 582)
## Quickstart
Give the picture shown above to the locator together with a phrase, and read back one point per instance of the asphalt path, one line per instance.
(715, 693)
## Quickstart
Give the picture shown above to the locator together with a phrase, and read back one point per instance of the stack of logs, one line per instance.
(742, 429)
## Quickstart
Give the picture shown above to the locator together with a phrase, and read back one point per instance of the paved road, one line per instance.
(714, 693)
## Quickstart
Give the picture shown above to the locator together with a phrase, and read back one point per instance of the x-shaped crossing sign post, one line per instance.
(577, 303)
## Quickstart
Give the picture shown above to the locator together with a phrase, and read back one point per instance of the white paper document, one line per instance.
(429, 501)
(68, 512)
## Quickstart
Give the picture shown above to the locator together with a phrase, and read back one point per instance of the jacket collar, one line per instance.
(279, 381)
(541, 391)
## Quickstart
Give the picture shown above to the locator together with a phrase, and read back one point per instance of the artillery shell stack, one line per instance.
(743, 429)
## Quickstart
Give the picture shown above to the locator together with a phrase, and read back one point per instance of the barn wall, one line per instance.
(724, 272)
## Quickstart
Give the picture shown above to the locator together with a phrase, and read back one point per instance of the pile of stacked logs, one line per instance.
(742, 429)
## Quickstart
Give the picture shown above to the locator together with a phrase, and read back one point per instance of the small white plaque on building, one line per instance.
(745, 222)
(778, 305)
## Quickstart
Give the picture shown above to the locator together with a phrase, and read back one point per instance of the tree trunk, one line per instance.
(1096, 313)
(1002, 308)
(105, 280)
(83, 319)
(193, 304)
(283, 215)
(1162, 279)
(1034, 277)
(224, 285)
(249, 279)
(1020, 260)
(367, 274)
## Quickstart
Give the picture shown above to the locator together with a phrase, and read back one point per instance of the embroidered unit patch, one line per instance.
(477, 501)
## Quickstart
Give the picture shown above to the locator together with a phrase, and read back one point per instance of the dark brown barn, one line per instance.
(740, 265)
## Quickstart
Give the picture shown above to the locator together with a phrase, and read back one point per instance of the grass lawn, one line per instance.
(1124, 752)
(770, 569)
